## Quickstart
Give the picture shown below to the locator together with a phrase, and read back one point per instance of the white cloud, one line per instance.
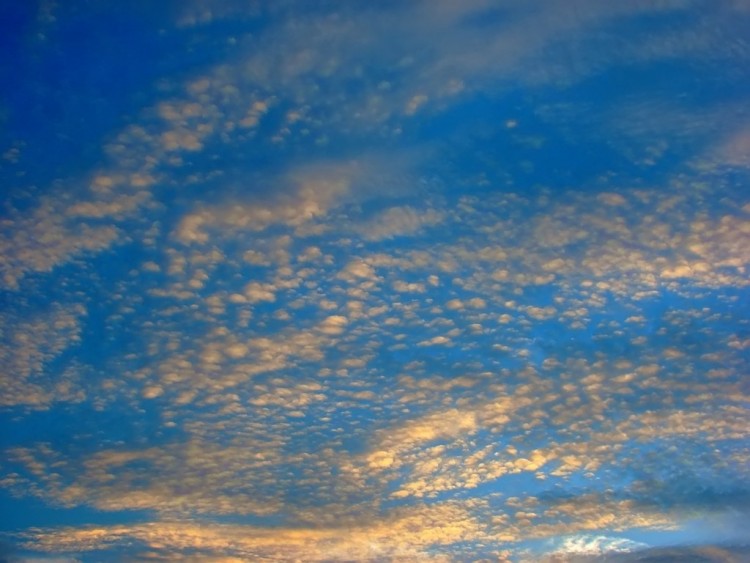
(594, 545)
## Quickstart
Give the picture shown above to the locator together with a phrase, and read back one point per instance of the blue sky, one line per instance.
(405, 281)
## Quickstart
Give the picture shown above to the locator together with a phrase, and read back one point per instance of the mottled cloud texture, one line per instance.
(394, 282)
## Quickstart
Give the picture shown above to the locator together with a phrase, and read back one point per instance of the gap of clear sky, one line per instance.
(431, 280)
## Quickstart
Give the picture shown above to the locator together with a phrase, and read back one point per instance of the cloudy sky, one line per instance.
(374, 281)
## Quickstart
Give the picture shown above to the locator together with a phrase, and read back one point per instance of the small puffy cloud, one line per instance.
(256, 292)
(476, 303)
(236, 350)
(406, 287)
(152, 391)
(678, 271)
(540, 313)
(555, 265)
(333, 325)
(358, 270)
(435, 341)
(454, 305)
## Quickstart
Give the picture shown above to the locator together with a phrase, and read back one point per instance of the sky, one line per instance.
(431, 280)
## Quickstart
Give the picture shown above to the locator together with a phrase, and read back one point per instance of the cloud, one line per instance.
(358, 269)
(313, 192)
(43, 239)
(398, 221)
(591, 545)
(28, 353)
(407, 533)
(257, 292)
(333, 325)
(699, 553)
(435, 340)
(391, 445)
(179, 478)
(736, 148)
(359, 399)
